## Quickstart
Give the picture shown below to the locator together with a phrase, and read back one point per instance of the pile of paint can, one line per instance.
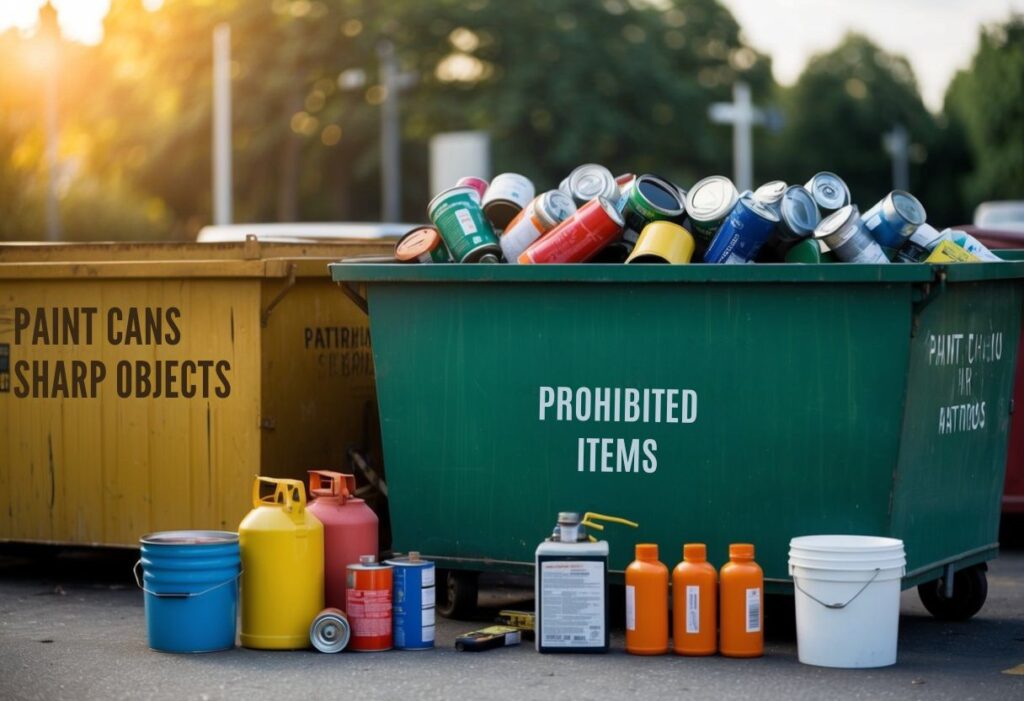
(596, 217)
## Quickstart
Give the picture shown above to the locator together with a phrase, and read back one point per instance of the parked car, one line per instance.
(1007, 215)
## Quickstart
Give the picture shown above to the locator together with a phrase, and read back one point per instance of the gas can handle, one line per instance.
(291, 493)
(341, 484)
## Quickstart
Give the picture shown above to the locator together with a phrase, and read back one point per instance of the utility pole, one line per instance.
(222, 213)
(742, 114)
(897, 145)
(50, 35)
(390, 135)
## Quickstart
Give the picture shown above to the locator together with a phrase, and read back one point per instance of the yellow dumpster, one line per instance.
(143, 385)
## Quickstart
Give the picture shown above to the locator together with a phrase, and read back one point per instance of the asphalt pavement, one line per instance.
(72, 626)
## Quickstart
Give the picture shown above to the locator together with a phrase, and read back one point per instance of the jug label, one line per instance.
(573, 602)
(692, 608)
(630, 607)
(754, 610)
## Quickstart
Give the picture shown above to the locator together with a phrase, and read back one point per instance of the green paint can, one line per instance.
(466, 232)
(806, 251)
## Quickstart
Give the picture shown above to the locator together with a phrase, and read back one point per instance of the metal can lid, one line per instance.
(611, 210)
(761, 210)
(799, 211)
(829, 190)
(835, 221)
(908, 207)
(367, 559)
(555, 206)
(592, 180)
(771, 192)
(416, 242)
(330, 631)
(711, 198)
(488, 258)
(189, 538)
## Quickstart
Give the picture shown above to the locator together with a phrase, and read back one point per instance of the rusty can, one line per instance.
(506, 196)
(478, 184)
(422, 245)
(368, 604)
(543, 214)
(580, 237)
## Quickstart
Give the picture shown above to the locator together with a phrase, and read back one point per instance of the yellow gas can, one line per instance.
(282, 548)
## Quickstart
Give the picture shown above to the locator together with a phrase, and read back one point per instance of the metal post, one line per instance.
(52, 157)
(897, 143)
(742, 141)
(222, 213)
(390, 143)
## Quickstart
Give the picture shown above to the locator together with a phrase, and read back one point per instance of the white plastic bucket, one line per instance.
(847, 591)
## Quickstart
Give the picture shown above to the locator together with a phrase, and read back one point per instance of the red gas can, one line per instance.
(350, 529)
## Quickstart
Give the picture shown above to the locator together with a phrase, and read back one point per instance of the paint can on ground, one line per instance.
(590, 181)
(506, 197)
(847, 599)
(829, 191)
(478, 184)
(747, 228)
(663, 242)
(190, 580)
(461, 222)
(894, 219)
(369, 605)
(330, 631)
(413, 602)
(580, 237)
(421, 245)
(649, 199)
(708, 204)
(845, 235)
(543, 214)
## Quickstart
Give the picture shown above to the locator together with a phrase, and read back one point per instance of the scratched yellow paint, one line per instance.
(109, 468)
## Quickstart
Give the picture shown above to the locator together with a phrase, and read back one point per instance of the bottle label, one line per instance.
(572, 603)
(754, 610)
(630, 607)
(692, 608)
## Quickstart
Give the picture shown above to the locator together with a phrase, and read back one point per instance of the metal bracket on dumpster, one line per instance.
(352, 292)
(288, 285)
(947, 581)
(926, 294)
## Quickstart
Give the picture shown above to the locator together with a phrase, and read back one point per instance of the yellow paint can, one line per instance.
(662, 242)
(282, 548)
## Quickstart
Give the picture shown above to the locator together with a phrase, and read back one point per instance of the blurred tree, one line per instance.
(988, 101)
(837, 115)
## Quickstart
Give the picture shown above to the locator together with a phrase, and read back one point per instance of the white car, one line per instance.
(1007, 215)
(302, 232)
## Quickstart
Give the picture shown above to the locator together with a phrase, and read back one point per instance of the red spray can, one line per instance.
(580, 237)
(350, 529)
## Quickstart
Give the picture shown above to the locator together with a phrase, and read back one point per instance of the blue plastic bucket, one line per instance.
(190, 580)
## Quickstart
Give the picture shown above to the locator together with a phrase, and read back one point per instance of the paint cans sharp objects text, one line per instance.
(369, 607)
(330, 631)
(846, 236)
(421, 245)
(708, 203)
(413, 602)
(747, 228)
(546, 211)
(580, 237)
(894, 219)
(466, 232)
(506, 197)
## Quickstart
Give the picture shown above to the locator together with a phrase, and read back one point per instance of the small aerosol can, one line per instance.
(571, 586)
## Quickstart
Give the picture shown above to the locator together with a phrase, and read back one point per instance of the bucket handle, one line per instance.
(796, 583)
(339, 484)
(291, 493)
(179, 595)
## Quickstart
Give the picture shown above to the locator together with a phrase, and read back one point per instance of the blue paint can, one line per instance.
(190, 580)
(749, 226)
(894, 219)
(413, 602)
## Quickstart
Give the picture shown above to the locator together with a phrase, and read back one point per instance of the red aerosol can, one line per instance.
(350, 529)
(580, 237)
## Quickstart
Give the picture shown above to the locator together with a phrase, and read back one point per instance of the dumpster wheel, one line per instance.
(457, 593)
(970, 589)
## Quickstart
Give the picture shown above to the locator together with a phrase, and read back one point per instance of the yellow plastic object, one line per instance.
(282, 567)
(591, 518)
(949, 252)
(101, 463)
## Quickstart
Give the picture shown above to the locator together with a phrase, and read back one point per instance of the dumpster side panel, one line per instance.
(482, 451)
(318, 384)
(107, 455)
(953, 448)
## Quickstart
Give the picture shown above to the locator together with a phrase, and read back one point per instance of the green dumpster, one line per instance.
(712, 404)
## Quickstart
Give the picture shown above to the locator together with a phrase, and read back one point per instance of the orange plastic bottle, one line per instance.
(646, 603)
(741, 599)
(694, 603)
